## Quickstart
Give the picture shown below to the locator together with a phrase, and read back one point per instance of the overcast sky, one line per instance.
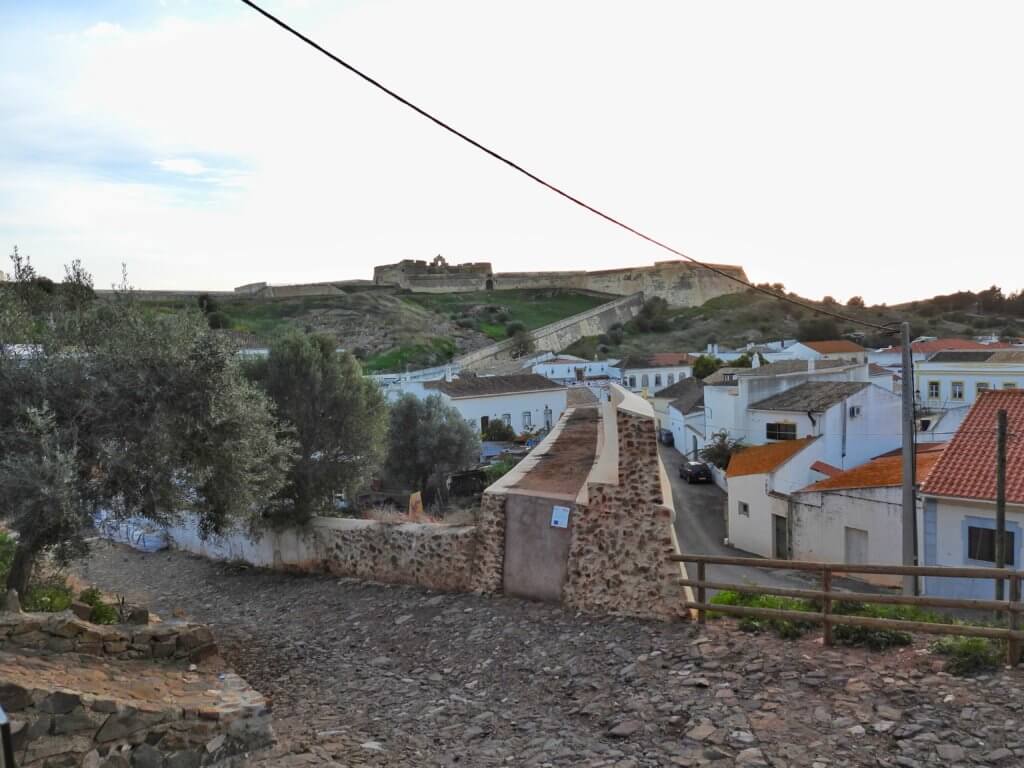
(872, 148)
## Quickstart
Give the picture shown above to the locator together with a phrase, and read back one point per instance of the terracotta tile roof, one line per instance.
(657, 360)
(826, 469)
(834, 346)
(811, 396)
(967, 467)
(877, 473)
(761, 459)
(482, 386)
(939, 345)
(874, 369)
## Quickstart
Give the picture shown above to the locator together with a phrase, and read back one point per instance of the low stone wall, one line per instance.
(81, 694)
(428, 555)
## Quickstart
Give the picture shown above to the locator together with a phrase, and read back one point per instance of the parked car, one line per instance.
(665, 437)
(695, 472)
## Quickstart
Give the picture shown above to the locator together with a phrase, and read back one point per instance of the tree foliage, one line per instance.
(817, 329)
(522, 343)
(337, 416)
(428, 439)
(106, 405)
(855, 301)
(705, 365)
(499, 431)
(720, 449)
(653, 316)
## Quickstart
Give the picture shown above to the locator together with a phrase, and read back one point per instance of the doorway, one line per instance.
(780, 538)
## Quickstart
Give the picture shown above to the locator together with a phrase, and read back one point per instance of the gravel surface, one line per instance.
(368, 675)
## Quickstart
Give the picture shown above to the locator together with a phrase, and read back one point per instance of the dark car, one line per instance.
(695, 472)
(665, 437)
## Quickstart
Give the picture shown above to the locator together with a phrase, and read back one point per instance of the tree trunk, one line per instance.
(21, 568)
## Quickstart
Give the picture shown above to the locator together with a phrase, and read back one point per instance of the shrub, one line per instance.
(785, 628)
(91, 596)
(720, 450)
(47, 598)
(514, 327)
(499, 431)
(498, 470)
(104, 613)
(218, 320)
(875, 639)
(969, 655)
(7, 547)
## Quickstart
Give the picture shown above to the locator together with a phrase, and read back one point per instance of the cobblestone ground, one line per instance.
(370, 675)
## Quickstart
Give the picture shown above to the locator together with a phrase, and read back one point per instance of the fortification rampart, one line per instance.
(560, 334)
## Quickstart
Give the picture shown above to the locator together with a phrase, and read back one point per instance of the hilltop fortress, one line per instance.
(680, 283)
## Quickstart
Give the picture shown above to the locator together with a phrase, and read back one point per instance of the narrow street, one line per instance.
(700, 527)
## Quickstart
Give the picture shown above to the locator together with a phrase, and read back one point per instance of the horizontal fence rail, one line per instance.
(826, 596)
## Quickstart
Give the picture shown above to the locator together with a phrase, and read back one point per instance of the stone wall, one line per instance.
(65, 633)
(80, 694)
(560, 334)
(428, 555)
(623, 533)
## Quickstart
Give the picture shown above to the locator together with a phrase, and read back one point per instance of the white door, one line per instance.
(856, 545)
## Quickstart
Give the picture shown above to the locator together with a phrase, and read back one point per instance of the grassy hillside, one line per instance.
(736, 319)
(491, 311)
(392, 330)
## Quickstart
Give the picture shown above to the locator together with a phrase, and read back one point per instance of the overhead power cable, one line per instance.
(888, 328)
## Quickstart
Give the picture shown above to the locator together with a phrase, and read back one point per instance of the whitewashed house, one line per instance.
(687, 388)
(837, 349)
(883, 377)
(654, 372)
(957, 525)
(855, 516)
(526, 402)
(921, 350)
(685, 419)
(760, 480)
(568, 369)
(948, 383)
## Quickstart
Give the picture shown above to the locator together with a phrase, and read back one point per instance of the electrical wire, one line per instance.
(887, 328)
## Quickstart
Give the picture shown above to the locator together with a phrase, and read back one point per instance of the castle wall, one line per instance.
(561, 334)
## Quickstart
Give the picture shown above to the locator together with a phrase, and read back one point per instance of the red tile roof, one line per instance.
(967, 468)
(831, 347)
(944, 345)
(874, 369)
(760, 459)
(877, 473)
(826, 469)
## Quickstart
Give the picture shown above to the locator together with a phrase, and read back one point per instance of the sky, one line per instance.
(867, 148)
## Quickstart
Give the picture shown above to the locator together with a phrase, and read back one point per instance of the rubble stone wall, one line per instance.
(428, 555)
(623, 534)
(65, 633)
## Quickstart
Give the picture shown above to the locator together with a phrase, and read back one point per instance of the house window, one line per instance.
(981, 544)
(744, 509)
(981, 386)
(779, 431)
(527, 420)
(854, 411)
(670, 379)
(933, 390)
(507, 418)
(958, 390)
(1009, 385)
(657, 380)
(632, 382)
(644, 381)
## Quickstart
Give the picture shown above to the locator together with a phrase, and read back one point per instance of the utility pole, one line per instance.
(909, 497)
(1000, 497)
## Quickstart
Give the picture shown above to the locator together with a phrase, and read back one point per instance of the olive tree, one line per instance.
(428, 439)
(105, 405)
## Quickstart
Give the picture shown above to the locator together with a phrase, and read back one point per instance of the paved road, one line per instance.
(700, 527)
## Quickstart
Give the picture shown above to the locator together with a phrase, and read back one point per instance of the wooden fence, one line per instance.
(1011, 609)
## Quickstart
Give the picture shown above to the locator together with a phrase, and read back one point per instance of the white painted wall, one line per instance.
(472, 409)
(685, 429)
(753, 533)
(996, 375)
(633, 378)
(819, 521)
(946, 543)
(566, 372)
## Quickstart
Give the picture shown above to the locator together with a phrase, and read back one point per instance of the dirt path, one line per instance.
(370, 675)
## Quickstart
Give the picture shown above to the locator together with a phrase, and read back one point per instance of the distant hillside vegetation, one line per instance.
(736, 319)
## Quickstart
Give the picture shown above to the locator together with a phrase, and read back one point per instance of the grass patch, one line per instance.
(436, 352)
(969, 655)
(785, 628)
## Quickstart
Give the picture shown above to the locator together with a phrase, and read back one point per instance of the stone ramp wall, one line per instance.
(560, 334)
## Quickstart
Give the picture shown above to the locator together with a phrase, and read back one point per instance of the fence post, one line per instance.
(826, 603)
(1013, 621)
(701, 591)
